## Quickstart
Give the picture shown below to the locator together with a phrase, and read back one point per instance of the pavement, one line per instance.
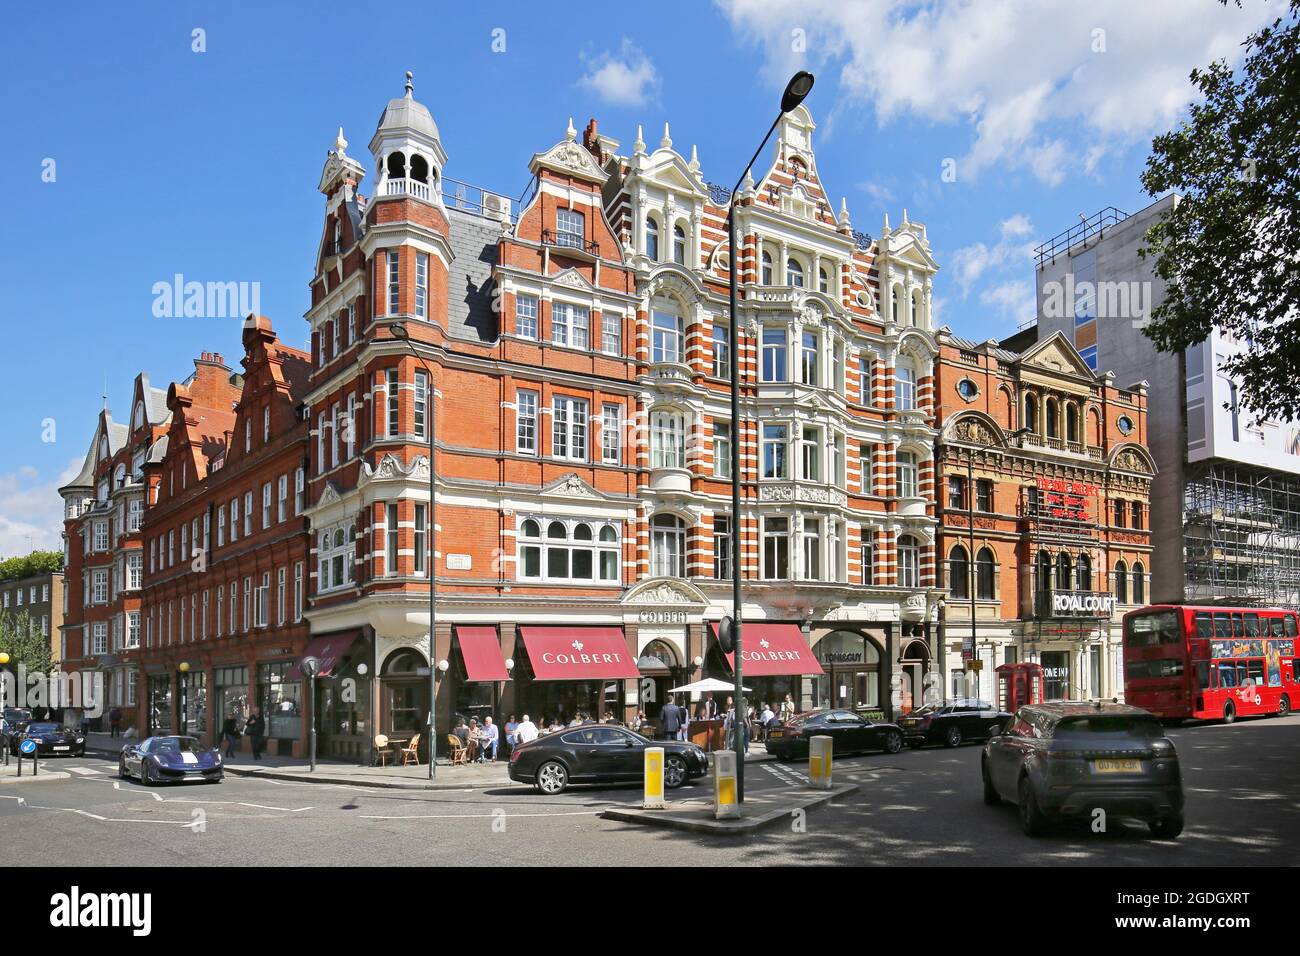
(916, 808)
(474, 776)
(761, 808)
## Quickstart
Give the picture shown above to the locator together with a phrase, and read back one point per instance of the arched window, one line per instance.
(893, 305)
(396, 166)
(1121, 582)
(766, 278)
(958, 573)
(562, 556)
(1083, 573)
(1139, 583)
(823, 281)
(668, 546)
(1062, 572)
(1072, 422)
(1044, 572)
(914, 317)
(679, 245)
(985, 568)
(667, 440)
(1030, 419)
(904, 386)
(1053, 414)
(909, 562)
(793, 273)
(556, 531)
(419, 168)
(530, 529)
(652, 238)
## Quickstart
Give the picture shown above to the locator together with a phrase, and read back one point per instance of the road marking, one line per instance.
(86, 771)
(478, 816)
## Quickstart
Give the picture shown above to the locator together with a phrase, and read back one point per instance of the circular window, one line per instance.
(968, 390)
(1124, 424)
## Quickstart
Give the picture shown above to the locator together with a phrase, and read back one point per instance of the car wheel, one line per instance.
(952, 737)
(893, 742)
(146, 775)
(1032, 820)
(552, 778)
(1229, 712)
(991, 796)
(1167, 828)
(674, 772)
(121, 769)
(1284, 706)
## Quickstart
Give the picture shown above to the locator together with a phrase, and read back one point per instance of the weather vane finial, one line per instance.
(410, 86)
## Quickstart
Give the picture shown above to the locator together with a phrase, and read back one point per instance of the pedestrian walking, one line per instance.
(115, 722)
(255, 730)
(230, 734)
(670, 719)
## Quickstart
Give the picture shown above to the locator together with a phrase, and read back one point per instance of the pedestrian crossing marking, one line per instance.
(85, 771)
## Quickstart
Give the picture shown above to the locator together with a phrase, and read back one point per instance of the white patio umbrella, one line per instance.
(706, 685)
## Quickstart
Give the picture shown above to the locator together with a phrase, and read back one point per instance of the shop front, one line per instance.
(564, 672)
(343, 694)
(230, 700)
(1078, 661)
(853, 677)
(476, 674)
(775, 661)
(161, 713)
(281, 699)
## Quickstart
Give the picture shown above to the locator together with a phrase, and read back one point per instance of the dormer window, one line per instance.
(138, 417)
(570, 228)
(651, 239)
(679, 245)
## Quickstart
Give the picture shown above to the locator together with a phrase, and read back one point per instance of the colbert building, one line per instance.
(225, 585)
(1044, 536)
(569, 357)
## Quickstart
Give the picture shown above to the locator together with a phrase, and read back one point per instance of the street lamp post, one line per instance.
(4, 683)
(795, 91)
(184, 694)
(311, 667)
(399, 331)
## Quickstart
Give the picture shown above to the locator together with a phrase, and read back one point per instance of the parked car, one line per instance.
(600, 753)
(849, 733)
(51, 739)
(1061, 761)
(952, 722)
(12, 720)
(164, 759)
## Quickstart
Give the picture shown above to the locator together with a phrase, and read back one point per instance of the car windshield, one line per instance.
(12, 713)
(43, 728)
(801, 719)
(1122, 725)
(175, 745)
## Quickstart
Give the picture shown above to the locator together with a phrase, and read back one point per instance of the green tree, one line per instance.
(1230, 248)
(21, 638)
(28, 565)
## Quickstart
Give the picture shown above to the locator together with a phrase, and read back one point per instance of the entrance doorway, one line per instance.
(851, 662)
(913, 665)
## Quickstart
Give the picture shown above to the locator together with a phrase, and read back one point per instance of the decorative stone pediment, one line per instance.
(1131, 459)
(569, 158)
(572, 279)
(1057, 354)
(970, 429)
(390, 468)
(665, 591)
(571, 486)
(330, 495)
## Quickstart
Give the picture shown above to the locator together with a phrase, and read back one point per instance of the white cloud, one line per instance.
(1012, 250)
(1024, 75)
(877, 191)
(31, 511)
(1015, 299)
(627, 78)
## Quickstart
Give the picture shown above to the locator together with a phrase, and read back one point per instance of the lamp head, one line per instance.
(398, 331)
(184, 667)
(796, 90)
(4, 658)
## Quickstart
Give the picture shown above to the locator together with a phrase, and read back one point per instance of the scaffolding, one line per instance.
(1241, 536)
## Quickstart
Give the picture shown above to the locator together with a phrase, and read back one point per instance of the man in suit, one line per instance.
(670, 719)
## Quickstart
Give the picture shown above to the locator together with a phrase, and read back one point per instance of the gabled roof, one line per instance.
(85, 478)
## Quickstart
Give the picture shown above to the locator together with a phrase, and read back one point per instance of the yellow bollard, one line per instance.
(819, 762)
(725, 806)
(654, 778)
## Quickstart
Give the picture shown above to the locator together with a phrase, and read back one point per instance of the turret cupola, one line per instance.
(408, 150)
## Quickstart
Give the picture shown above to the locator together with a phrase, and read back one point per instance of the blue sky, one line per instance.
(167, 160)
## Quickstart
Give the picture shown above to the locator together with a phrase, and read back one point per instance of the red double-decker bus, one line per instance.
(1211, 663)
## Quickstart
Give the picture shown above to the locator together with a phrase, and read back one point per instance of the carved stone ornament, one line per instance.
(1129, 460)
(973, 430)
(572, 279)
(664, 594)
(571, 486)
(390, 468)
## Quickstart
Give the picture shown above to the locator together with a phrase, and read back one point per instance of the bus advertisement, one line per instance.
(1211, 663)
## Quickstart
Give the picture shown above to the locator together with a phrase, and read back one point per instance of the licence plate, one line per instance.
(62, 748)
(777, 733)
(1117, 766)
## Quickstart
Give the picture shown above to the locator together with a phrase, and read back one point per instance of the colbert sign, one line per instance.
(1082, 604)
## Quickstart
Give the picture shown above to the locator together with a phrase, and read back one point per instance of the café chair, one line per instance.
(381, 750)
(457, 750)
(411, 752)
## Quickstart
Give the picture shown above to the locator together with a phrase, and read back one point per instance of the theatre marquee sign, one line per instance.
(1082, 604)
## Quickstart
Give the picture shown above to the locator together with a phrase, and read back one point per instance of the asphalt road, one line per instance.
(915, 808)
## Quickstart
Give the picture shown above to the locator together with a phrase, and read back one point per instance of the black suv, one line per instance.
(1065, 760)
(952, 722)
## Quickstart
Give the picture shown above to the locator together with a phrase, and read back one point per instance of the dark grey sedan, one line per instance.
(600, 753)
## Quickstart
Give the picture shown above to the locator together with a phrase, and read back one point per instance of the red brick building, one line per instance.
(569, 357)
(104, 508)
(225, 585)
(1059, 546)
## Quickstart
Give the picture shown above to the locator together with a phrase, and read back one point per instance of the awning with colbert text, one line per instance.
(327, 650)
(578, 653)
(773, 650)
(481, 651)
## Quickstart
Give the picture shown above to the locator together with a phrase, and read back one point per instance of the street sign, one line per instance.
(975, 664)
(28, 746)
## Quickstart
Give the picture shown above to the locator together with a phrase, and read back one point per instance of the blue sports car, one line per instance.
(168, 759)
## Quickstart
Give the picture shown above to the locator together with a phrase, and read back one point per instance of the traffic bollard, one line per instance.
(725, 806)
(654, 778)
(819, 762)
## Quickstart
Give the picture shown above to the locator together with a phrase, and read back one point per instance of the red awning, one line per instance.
(327, 650)
(774, 650)
(578, 653)
(481, 652)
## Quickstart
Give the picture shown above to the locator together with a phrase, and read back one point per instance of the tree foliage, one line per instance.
(22, 640)
(1229, 250)
(29, 565)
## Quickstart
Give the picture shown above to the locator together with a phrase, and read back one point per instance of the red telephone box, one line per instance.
(1019, 684)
